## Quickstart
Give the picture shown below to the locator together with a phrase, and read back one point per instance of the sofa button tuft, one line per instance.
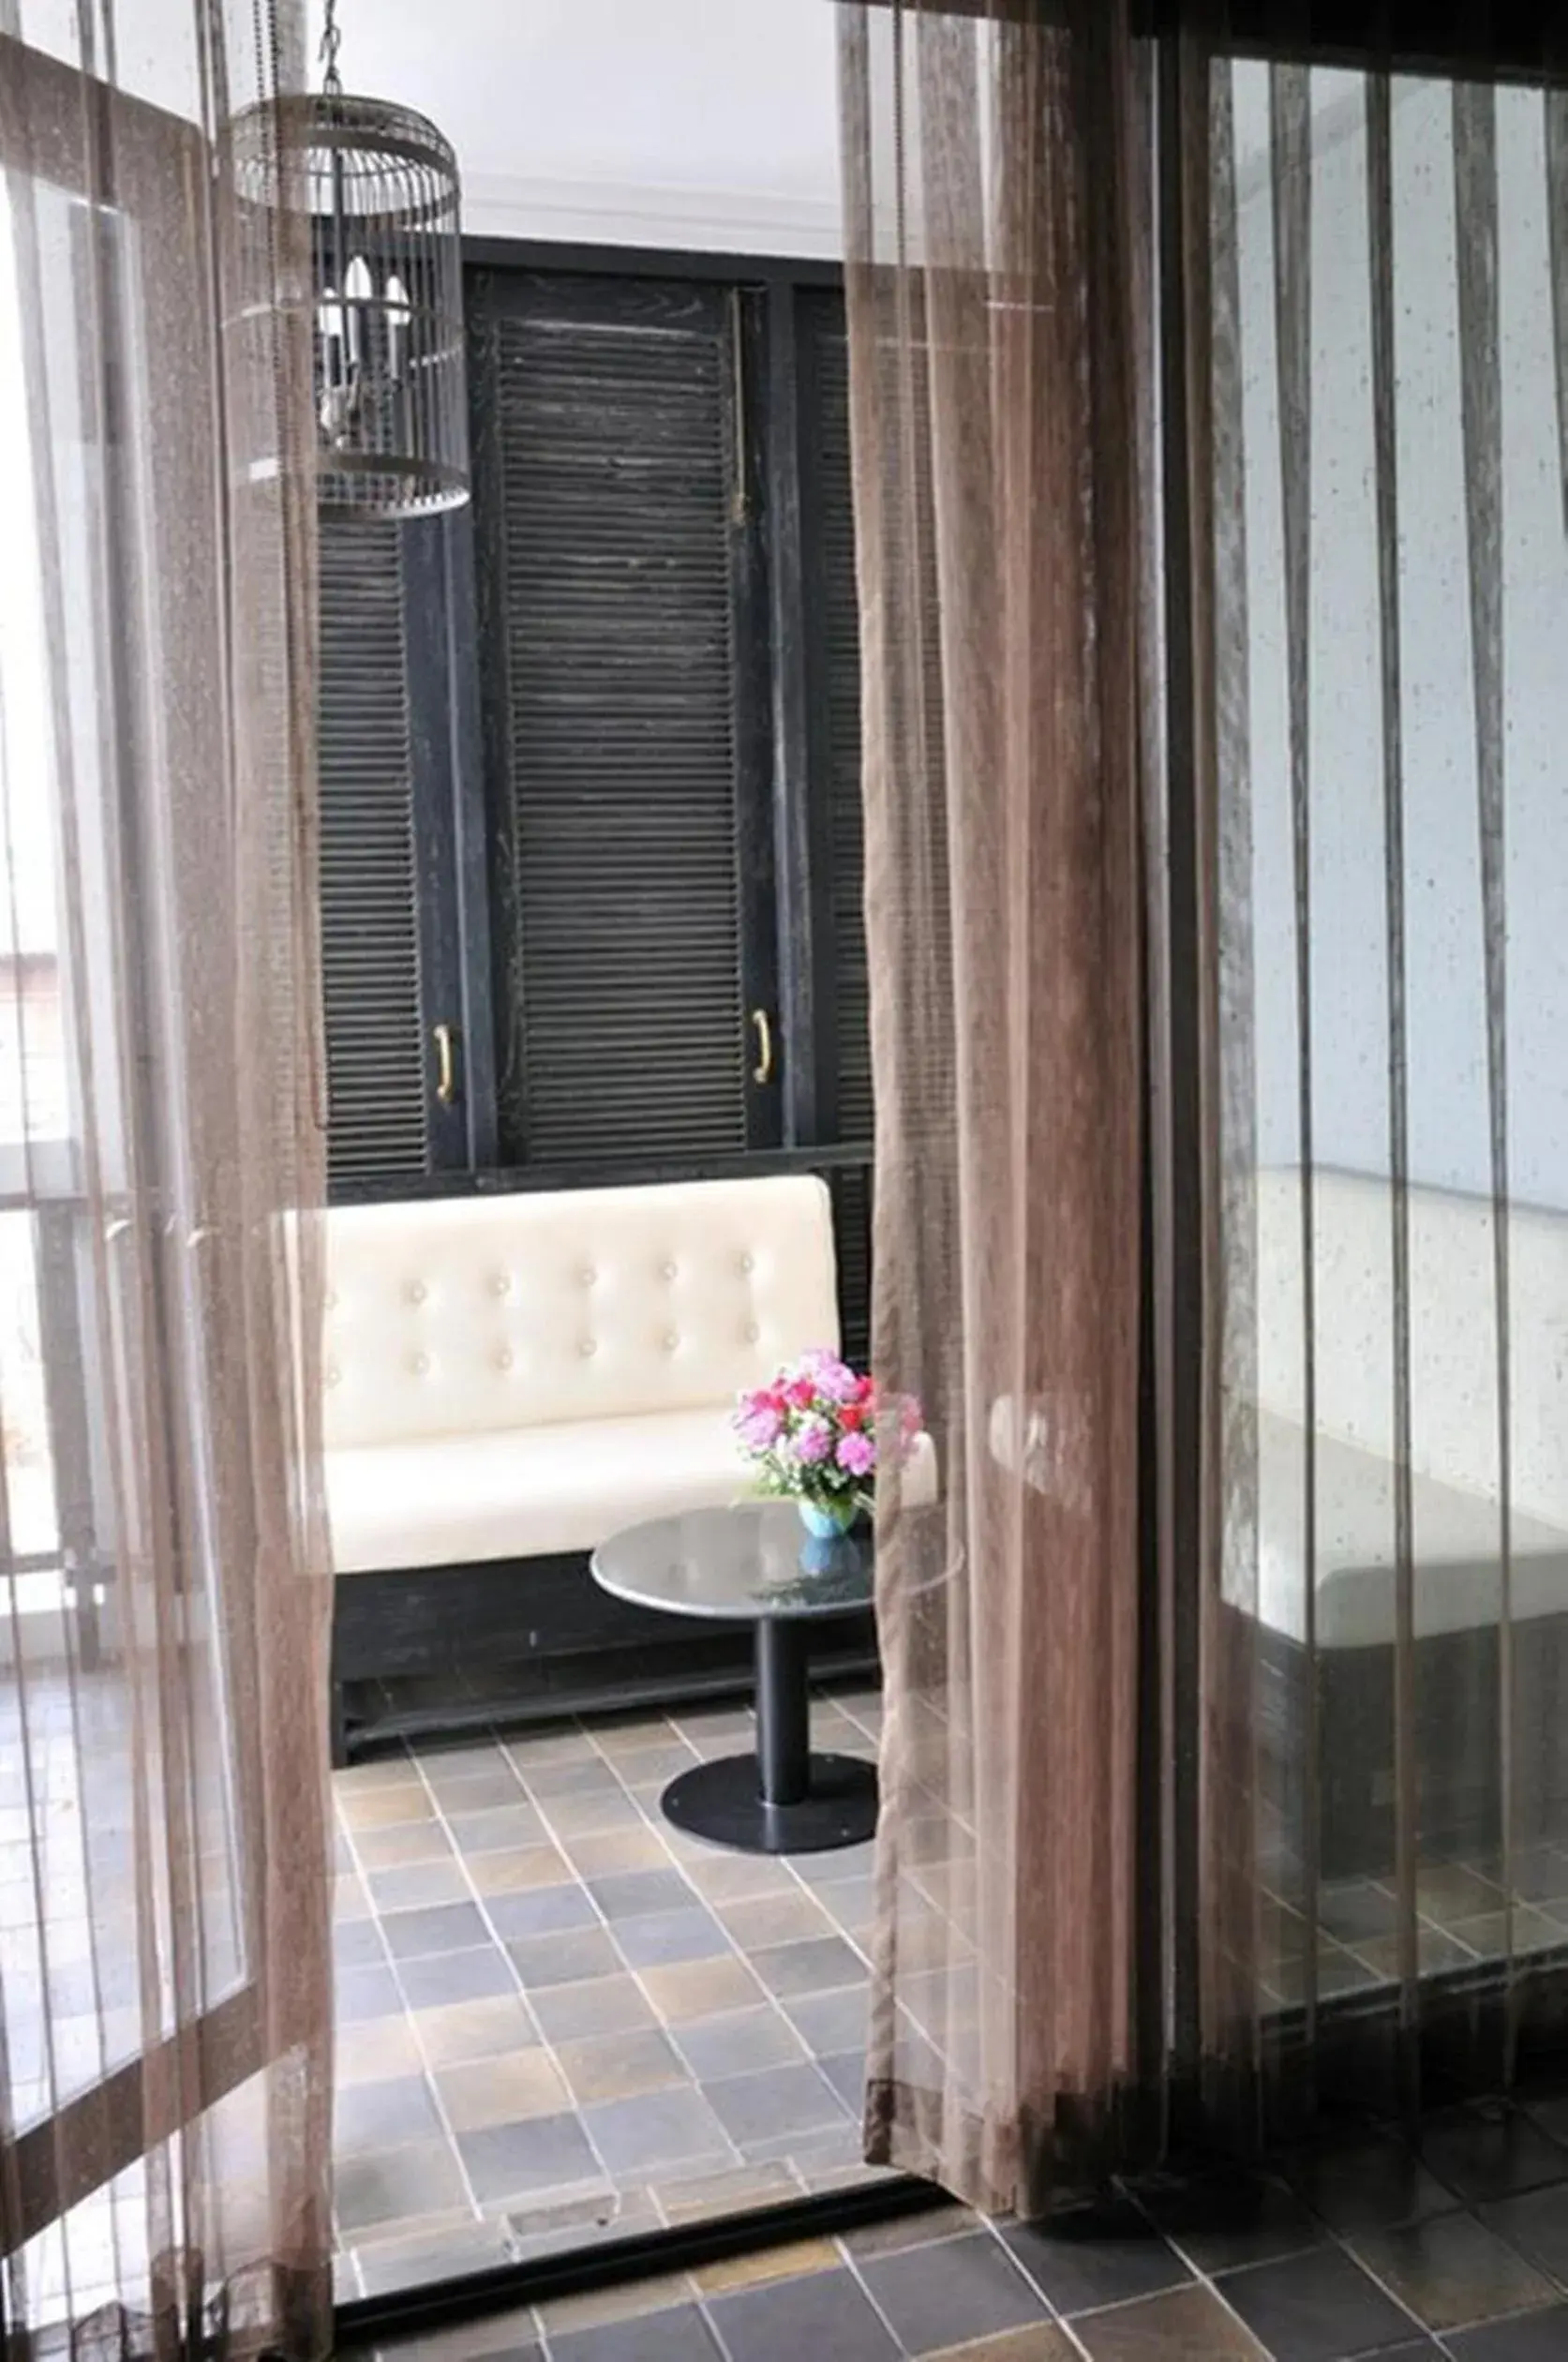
(588, 1275)
(420, 1365)
(753, 1334)
(670, 1271)
(588, 1348)
(416, 1292)
(502, 1284)
(334, 1373)
(748, 1263)
(671, 1342)
(503, 1359)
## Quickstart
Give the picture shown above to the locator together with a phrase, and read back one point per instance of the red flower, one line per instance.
(864, 1389)
(800, 1394)
(851, 1417)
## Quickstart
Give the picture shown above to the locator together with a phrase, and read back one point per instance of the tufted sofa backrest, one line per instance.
(461, 1315)
(1453, 1330)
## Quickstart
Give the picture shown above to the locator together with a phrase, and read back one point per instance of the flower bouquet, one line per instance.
(814, 1434)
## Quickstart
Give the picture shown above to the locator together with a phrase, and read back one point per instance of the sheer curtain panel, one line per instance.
(1388, 1237)
(164, 1855)
(1215, 827)
(997, 232)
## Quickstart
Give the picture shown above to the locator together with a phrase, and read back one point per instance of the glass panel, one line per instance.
(1395, 580)
(90, 1967)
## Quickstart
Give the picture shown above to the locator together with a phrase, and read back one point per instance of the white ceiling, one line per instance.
(676, 123)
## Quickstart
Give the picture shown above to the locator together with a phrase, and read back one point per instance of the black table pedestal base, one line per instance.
(724, 1802)
(783, 1799)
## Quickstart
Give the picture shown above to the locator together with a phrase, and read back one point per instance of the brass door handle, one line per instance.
(447, 1065)
(763, 1070)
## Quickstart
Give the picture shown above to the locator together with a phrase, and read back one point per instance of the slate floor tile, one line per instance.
(939, 2294)
(462, 2031)
(825, 2315)
(740, 2042)
(635, 1893)
(1452, 2271)
(480, 1975)
(594, 2005)
(1317, 2307)
(829, 2022)
(356, 1943)
(376, 2115)
(1089, 2256)
(513, 2160)
(362, 1994)
(1222, 2221)
(485, 2091)
(1490, 2153)
(664, 1938)
(774, 2101)
(443, 1927)
(1185, 2324)
(419, 2178)
(680, 2335)
(816, 1965)
(1373, 2182)
(1537, 2225)
(1042, 2341)
(620, 2066)
(655, 2129)
(545, 1910)
(575, 1957)
(1532, 2337)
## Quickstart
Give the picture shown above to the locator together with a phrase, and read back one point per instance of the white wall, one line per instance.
(1448, 1111)
(707, 124)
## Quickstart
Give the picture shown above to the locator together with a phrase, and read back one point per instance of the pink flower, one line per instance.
(759, 1423)
(837, 1383)
(814, 1441)
(800, 1394)
(857, 1453)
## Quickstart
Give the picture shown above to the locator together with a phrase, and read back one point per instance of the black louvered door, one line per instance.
(392, 997)
(832, 659)
(626, 720)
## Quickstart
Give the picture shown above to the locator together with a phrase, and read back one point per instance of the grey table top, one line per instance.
(751, 1561)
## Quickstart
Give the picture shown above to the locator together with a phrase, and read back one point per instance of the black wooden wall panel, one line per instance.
(370, 950)
(607, 456)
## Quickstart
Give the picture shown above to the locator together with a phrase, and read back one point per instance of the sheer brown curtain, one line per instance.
(1325, 798)
(164, 1859)
(997, 227)
(1387, 583)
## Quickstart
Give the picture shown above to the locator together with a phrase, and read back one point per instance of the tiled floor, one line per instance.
(559, 2019)
(1361, 2246)
(1460, 1908)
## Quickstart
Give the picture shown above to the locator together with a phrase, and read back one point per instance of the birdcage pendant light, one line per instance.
(381, 184)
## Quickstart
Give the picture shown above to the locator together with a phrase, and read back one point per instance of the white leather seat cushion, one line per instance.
(458, 1500)
(454, 1500)
(1457, 1577)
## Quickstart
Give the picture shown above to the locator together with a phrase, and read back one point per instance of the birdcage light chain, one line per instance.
(332, 42)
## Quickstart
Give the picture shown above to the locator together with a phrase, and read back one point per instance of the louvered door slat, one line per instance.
(370, 954)
(610, 434)
(841, 700)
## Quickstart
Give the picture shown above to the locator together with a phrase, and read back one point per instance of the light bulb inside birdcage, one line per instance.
(380, 186)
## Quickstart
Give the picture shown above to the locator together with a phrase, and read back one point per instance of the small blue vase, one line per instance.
(828, 1525)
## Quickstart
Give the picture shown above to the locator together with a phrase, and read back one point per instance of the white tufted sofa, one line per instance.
(1454, 1406)
(511, 1377)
